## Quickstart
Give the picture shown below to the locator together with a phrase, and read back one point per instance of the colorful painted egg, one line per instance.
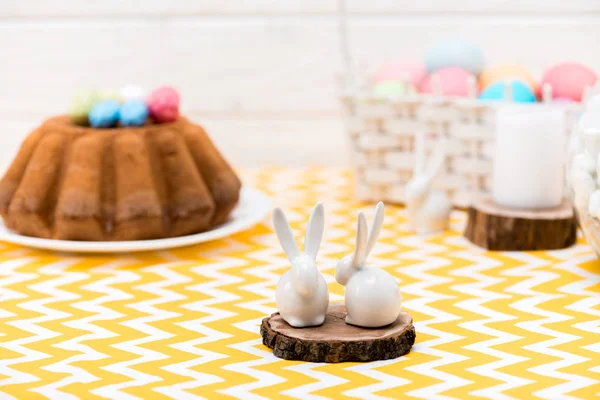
(452, 81)
(521, 93)
(132, 92)
(569, 80)
(163, 104)
(82, 103)
(412, 73)
(455, 53)
(507, 72)
(386, 89)
(104, 114)
(133, 113)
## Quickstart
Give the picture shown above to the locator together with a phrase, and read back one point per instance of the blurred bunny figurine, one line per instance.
(372, 295)
(428, 209)
(302, 296)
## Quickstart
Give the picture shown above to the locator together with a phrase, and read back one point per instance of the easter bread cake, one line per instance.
(129, 183)
(76, 182)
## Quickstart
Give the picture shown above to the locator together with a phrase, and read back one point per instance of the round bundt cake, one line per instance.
(74, 182)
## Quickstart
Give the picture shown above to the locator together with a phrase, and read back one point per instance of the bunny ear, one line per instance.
(360, 253)
(314, 231)
(375, 227)
(437, 160)
(284, 234)
(419, 153)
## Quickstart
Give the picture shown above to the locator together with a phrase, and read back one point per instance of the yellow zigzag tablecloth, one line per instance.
(184, 323)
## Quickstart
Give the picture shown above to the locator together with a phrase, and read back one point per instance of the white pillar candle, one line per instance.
(530, 157)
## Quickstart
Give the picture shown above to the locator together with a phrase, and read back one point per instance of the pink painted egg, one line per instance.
(163, 104)
(453, 81)
(569, 79)
(412, 73)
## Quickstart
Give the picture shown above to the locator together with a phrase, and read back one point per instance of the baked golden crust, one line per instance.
(220, 178)
(79, 183)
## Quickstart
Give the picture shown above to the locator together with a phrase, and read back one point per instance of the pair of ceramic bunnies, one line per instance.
(372, 296)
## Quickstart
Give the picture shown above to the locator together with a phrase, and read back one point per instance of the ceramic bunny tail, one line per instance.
(302, 296)
(372, 296)
(428, 209)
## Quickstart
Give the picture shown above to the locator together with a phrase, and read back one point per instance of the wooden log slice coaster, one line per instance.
(335, 341)
(496, 228)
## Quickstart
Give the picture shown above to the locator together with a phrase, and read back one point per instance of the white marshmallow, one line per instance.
(584, 162)
(584, 186)
(594, 204)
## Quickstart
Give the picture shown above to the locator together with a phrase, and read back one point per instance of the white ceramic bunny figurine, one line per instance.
(428, 209)
(302, 296)
(372, 295)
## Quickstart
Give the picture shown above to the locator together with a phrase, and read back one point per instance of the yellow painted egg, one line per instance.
(110, 94)
(81, 104)
(507, 72)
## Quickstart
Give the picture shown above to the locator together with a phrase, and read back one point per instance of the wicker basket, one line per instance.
(382, 131)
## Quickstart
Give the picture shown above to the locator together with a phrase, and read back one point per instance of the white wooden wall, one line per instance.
(260, 74)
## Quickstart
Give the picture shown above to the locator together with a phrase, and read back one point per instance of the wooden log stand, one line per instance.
(335, 341)
(495, 228)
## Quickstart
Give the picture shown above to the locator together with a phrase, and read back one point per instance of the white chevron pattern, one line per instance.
(183, 324)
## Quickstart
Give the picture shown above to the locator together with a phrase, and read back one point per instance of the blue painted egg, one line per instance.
(104, 114)
(133, 113)
(455, 53)
(521, 92)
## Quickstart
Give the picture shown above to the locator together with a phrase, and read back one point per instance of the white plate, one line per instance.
(252, 208)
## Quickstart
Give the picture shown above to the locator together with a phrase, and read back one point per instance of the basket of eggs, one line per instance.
(451, 96)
